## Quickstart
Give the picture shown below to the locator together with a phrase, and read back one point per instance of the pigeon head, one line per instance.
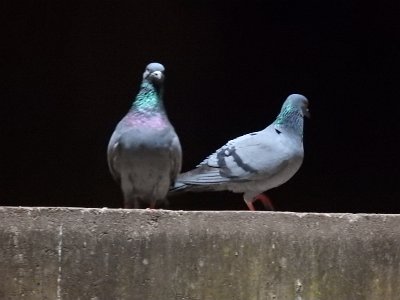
(150, 94)
(292, 113)
(297, 103)
(154, 73)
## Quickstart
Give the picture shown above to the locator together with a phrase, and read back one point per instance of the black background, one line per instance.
(72, 70)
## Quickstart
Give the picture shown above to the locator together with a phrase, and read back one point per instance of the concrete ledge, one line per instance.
(79, 253)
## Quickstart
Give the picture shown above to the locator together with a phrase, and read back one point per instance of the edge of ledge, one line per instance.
(192, 212)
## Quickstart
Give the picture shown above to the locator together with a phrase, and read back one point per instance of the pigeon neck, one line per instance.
(149, 98)
(290, 119)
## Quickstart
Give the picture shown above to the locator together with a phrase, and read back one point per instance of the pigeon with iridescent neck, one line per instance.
(144, 153)
(255, 162)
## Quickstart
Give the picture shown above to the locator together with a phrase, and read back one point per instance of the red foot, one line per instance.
(264, 200)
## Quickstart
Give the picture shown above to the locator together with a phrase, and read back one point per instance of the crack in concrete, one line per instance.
(59, 249)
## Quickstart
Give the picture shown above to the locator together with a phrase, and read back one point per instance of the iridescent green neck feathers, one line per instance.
(149, 98)
(290, 118)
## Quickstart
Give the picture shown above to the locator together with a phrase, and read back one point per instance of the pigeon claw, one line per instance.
(250, 205)
(263, 199)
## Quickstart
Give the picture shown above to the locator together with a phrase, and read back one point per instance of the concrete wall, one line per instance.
(66, 253)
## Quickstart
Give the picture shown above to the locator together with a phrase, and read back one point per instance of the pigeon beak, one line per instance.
(156, 77)
(307, 113)
(157, 74)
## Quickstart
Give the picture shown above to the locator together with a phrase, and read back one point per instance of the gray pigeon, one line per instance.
(144, 153)
(255, 162)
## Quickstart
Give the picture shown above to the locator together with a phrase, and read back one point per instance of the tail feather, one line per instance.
(180, 187)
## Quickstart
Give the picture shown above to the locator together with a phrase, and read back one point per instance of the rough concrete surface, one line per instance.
(80, 253)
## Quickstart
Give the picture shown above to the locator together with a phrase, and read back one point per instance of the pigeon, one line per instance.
(255, 162)
(144, 153)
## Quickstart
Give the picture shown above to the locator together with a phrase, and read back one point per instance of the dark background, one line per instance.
(72, 70)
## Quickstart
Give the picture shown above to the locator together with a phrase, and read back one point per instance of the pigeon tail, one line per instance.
(180, 187)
